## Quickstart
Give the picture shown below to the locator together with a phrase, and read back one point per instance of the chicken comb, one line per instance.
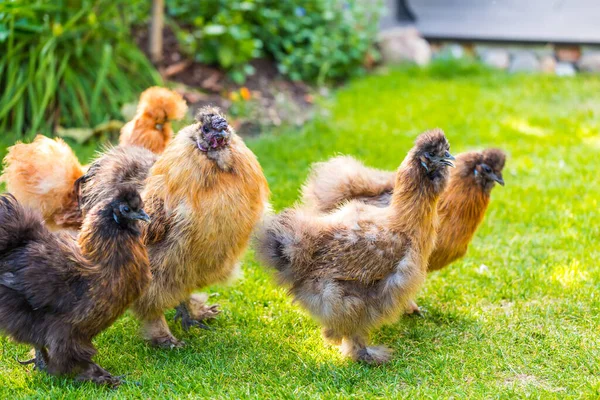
(219, 123)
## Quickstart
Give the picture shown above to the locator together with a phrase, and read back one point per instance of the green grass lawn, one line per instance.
(528, 325)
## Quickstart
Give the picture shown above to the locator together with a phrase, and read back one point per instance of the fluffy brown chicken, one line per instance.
(205, 194)
(461, 208)
(57, 292)
(33, 175)
(151, 126)
(41, 175)
(357, 267)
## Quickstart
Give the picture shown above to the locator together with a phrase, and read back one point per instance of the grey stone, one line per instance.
(564, 68)
(524, 62)
(449, 52)
(455, 50)
(496, 58)
(515, 49)
(590, 49)
(590, 62)
(539, 51)
(404, 45)
(548, 64)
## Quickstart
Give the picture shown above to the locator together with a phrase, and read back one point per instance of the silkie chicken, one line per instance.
(151, 126)
(205, 194)
(461, 208)
(33, 175)
(358, 266)
(57, 292)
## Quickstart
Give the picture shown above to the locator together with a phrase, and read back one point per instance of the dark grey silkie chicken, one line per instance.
(58, 292)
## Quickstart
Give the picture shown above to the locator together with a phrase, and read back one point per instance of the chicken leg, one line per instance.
(40, 361)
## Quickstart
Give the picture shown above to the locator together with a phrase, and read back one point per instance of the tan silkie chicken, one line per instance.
(205, 194)
(151, 126)
(37, 179)
(359, 266)
(461, 208)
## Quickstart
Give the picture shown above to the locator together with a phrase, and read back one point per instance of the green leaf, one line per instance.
(214, 30)
(4, 32)
(225, 55)
(80, 135)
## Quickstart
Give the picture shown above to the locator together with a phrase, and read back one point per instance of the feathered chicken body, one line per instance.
(57, 292)
(122, 165)
(42, 174)
(36, 177)
(461, 207)
(343, 178)
(205, 194)
(357, 267)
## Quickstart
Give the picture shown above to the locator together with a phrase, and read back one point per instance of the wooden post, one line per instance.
(156, 30)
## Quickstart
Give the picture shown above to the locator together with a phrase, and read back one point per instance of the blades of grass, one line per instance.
(19, 116)
(20, 86)
(71, 22)
(107, 52)
(33, 87)
(82, 90)
(51, 84)
(68, 97)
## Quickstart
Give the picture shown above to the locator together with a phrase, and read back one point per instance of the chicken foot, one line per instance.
(40, 361)
(195, 311)
(355, 347)
(158, 333)
(95, 373)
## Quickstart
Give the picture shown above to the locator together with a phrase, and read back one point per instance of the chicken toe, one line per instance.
(412, 308)
(187, 320)
(356, 348)
(40, 360)
(98, 375)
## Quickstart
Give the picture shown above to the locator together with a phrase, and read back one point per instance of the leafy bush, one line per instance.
(310, 40)
(319, 39)
(67, 63)
(217, 32)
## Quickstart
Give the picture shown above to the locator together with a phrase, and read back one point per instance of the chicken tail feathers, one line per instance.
(17, 225)
(41, 176)
(343, 178)
(271, 243)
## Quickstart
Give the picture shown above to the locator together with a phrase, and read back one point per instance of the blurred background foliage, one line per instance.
(74, 63)
(68, 63)
(313, 40)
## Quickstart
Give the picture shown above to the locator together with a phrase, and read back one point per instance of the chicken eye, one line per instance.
(428, 154)
(126, 209)
(487, 169)
(205, 129)
(447, 154)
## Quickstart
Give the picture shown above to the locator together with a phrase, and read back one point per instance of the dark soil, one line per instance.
(275, 100)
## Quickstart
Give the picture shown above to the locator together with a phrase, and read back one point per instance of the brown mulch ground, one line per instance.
(275, 100)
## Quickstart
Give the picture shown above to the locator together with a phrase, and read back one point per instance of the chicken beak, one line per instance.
(221, 134)
(142, 216)
(497, 178)
(447, 160)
